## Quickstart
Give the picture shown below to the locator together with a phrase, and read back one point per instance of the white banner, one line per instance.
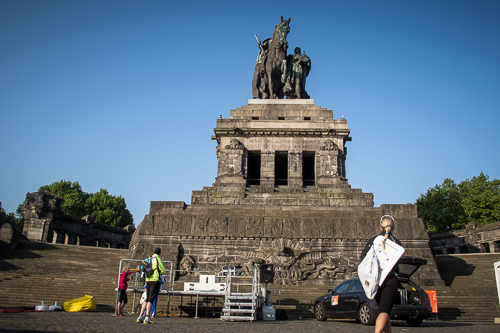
(497, 276)
(377, 263)
(386, 258)
(369, 273)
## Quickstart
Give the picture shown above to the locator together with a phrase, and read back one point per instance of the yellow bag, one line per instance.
(86, 303)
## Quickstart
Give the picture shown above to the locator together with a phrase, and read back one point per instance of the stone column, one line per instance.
(494, 247)
(267, 170)
(55, 235)
(482, 248)
(45, 231)
(295, 169)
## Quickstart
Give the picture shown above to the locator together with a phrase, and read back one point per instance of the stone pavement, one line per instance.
(105, 322)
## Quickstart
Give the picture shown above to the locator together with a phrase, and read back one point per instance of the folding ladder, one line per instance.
(240, 306)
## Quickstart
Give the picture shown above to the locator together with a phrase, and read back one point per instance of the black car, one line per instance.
(348, 300)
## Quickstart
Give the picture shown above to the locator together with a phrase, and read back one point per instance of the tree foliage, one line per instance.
(449, 206)
(108, 209)
(74, 197)
(11, 218)
(481, 199)
(104, 207)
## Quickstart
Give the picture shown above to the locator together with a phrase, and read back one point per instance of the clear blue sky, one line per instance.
(124, 95)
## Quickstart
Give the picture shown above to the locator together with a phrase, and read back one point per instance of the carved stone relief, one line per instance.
(230, 159)
(329, 146)
(293, 262)
(235, 144)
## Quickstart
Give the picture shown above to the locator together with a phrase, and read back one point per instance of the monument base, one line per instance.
(306, 244)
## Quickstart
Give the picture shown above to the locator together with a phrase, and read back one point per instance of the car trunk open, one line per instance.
(409, 265)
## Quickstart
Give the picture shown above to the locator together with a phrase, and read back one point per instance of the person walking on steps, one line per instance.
(152, 287)
(387, 291)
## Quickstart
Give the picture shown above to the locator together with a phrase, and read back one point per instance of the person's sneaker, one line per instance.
(140, 319)
(149, 321)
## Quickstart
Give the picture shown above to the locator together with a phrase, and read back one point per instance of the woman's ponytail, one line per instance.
(386, 224)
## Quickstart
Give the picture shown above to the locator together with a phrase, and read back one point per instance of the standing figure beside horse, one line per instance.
(299, 66)
(277, 75)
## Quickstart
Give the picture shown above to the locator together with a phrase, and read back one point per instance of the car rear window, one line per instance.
(407, 269)
(342, 287)
(356, 286)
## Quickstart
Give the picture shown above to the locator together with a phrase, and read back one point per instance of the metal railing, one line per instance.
(138, 281)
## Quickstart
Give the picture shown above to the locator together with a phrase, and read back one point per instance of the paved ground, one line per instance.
(105, 322)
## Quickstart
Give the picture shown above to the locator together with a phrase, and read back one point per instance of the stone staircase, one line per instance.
(35, 272)
(470, 293)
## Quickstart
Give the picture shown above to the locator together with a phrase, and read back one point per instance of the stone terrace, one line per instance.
(35, 272)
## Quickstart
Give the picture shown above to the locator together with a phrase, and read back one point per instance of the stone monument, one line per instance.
(281, 195)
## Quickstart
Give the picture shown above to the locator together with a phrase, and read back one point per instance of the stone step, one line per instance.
(470, 279)
(49, 273)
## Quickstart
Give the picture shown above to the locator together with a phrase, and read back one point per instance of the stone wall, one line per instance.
(474, 238)
(9, 236)
(44, 222)
(306, 244)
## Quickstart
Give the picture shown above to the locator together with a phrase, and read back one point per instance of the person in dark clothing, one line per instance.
(387, 291)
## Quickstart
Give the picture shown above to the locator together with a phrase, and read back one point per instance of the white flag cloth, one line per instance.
(377, 264)
(369, 272)
(387, 258)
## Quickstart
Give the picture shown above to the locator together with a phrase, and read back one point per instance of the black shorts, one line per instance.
(152, 288)
(122, 296)
(387, 293)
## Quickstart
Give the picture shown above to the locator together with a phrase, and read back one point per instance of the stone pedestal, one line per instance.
(281, 197)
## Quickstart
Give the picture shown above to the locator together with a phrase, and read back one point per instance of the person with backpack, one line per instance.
(152, 287)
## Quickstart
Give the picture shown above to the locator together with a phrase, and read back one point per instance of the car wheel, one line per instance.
(414, 321)
(365, 314)
(319, 312)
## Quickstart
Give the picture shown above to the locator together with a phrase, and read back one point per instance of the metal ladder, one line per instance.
(239, 306)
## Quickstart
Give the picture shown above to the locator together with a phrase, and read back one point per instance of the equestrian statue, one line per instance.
(278, 75)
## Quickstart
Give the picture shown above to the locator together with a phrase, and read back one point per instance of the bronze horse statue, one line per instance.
(270, 73)
(277, 53)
